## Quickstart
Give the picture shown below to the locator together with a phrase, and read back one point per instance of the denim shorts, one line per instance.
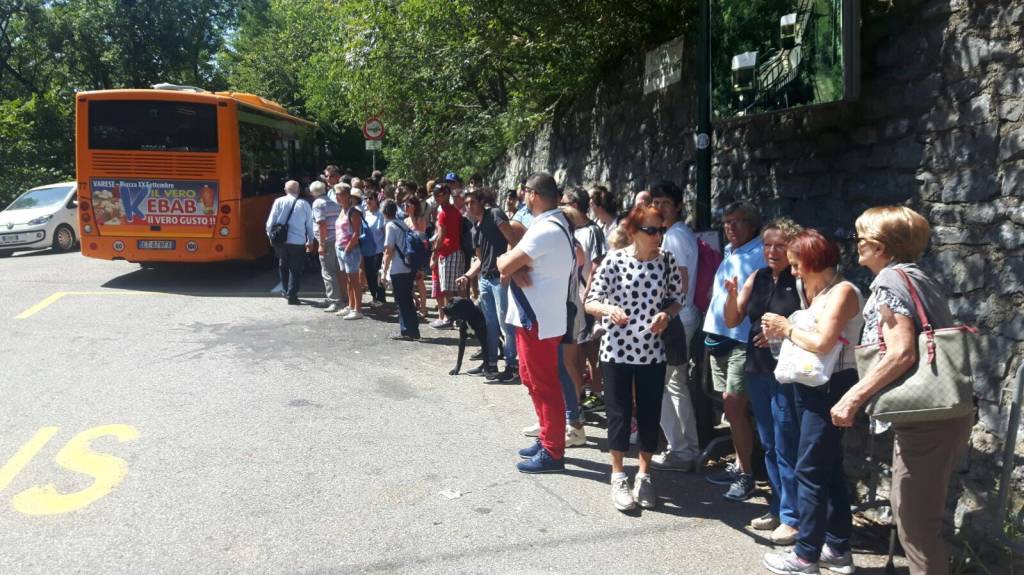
(350, 261)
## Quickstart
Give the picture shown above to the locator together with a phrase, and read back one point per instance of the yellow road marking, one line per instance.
(106, 470)
(57, 296)
(20, 459)
(40, 306)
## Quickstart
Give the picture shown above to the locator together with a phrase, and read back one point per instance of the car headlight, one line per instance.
(40, 220)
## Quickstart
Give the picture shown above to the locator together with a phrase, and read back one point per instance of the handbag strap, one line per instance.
(926, 326)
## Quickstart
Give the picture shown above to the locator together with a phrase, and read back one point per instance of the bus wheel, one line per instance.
(63, 238)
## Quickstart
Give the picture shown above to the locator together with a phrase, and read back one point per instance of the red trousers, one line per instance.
(538, 369)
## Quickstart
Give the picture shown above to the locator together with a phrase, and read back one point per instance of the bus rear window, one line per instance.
(152, 126)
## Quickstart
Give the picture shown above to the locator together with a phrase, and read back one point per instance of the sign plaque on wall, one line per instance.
(664, 66)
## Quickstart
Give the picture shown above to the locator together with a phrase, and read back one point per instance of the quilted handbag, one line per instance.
(939, 387)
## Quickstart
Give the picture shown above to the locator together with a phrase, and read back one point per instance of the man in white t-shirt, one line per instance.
(677, 417)
(538, 271)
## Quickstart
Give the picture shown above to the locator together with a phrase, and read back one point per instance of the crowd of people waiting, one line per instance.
(578, 300)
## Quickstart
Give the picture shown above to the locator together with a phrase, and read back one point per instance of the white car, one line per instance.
(43, 217)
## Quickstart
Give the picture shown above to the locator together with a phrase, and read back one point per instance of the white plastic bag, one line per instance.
(797, 365)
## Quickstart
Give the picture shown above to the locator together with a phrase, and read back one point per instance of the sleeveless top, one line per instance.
(768, 296)
(851, 331)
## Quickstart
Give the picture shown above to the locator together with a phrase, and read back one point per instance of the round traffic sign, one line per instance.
(373, 128)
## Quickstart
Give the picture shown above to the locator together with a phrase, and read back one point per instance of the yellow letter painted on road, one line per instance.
(20, 459)
(108, 471)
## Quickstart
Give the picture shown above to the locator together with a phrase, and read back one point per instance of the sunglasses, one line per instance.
(652, 231)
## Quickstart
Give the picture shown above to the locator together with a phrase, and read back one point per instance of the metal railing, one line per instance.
(1009, 454)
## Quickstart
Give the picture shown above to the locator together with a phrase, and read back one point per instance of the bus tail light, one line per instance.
(225, 232)
(87, 228)
(93, 246)
(224, 220)
(225, 209)
(218, 248)
(86, 217)
(83, 206)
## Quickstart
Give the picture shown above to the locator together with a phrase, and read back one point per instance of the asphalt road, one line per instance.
(183, 420)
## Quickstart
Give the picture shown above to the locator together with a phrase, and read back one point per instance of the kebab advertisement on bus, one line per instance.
(118, 202)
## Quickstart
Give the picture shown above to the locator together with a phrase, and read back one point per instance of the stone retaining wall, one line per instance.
(939, 126)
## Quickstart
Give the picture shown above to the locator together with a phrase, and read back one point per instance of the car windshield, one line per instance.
(40, 198)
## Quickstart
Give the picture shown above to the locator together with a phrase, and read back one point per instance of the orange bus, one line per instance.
(177, 174)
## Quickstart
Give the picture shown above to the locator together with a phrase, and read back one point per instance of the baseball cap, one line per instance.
(452, 177)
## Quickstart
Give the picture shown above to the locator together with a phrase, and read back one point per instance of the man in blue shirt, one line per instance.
(298, 215)
(743, 256)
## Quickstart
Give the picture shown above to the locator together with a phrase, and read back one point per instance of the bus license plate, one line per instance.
(156, 244)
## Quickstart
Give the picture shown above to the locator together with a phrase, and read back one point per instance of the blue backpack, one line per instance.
(415, 250)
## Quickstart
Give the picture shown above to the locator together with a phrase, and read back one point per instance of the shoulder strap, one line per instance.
(921, 313)
(572, 252)
(290, 210)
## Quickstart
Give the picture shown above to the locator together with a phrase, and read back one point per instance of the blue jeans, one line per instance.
(573, 413)
(823, 499)
(779, 430)
(408, 323)
(494, 304)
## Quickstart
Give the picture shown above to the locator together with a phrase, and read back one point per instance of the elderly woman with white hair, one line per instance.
(325, 215)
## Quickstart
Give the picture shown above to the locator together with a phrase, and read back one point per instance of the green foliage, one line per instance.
(34, 147)
(50, 49)
(455, 82)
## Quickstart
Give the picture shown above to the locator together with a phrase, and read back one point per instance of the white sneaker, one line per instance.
(354, 314)
(333, 308)
(622, 497)
(532, 430)
(575, 437)
(343, 311)
(643, 492)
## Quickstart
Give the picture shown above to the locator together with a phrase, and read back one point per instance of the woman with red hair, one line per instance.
(823, 502)
(635, 292)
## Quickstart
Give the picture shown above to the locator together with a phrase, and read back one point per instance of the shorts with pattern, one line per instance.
(450, 269)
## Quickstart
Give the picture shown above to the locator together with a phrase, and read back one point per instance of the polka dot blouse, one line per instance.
(641, 290)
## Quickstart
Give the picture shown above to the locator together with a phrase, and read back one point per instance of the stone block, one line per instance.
(945, 214)
(1012, 279)
(991, 418)
(978, 110)
(970, 185)
(1012, 83)
(968, 52)
(875, 188)
(1008, 236)
(961, 147)
(929, 87)
(980, 214)
(1011, 110)
(1014, 329)
(964, 309)
(1013, 185)
(962, 275)
(1012, 145)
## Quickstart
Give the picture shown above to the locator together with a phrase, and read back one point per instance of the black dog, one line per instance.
(464, 313)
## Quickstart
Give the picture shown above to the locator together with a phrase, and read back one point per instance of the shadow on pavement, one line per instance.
(223, 279)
